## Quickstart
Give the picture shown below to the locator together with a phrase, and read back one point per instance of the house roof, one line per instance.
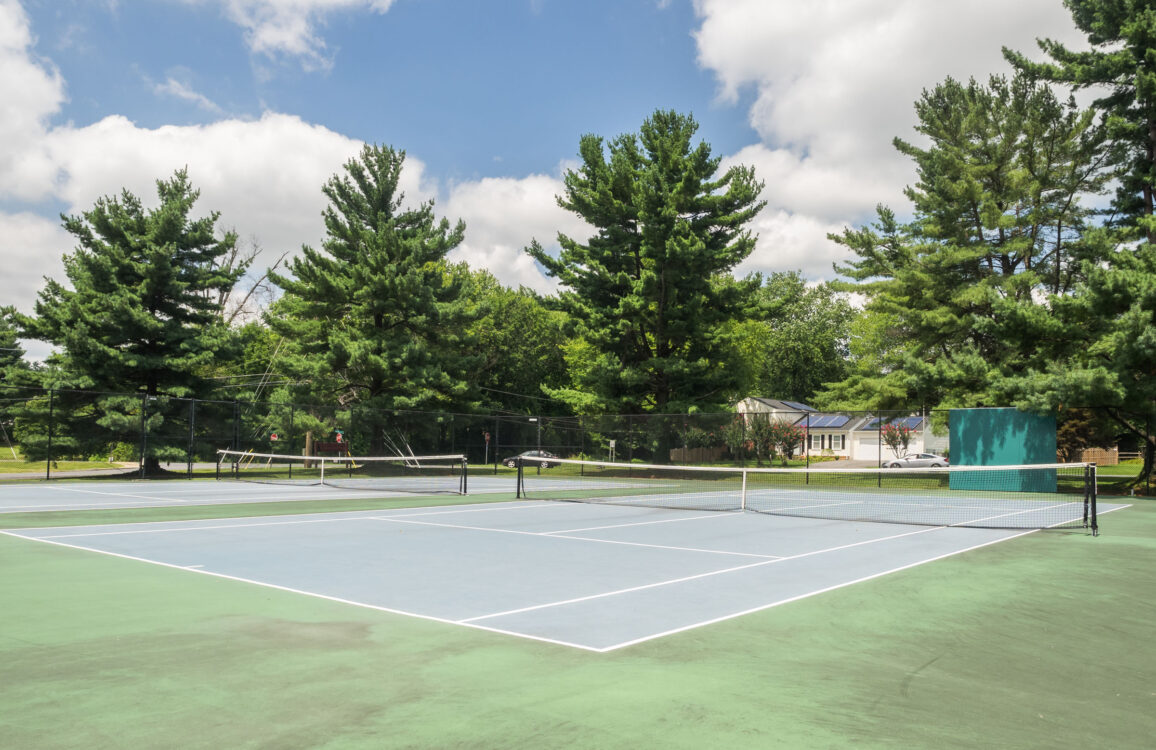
(778, 405)
(830, 421)
(911, 423)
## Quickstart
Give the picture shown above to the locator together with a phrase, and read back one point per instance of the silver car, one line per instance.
(916, 460)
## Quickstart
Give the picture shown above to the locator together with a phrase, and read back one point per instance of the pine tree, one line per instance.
(651, 292)
(998, 226)
(142, 314)
(377, 318)
(11, 355)
(1121, 64)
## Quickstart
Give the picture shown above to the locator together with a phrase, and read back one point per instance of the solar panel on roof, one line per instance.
(797, 405)
(910, 423)
(829, 420)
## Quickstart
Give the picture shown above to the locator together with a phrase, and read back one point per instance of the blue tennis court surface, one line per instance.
(593, 577)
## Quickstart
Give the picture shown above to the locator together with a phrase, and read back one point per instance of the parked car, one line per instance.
(916, 460)
(532, 458)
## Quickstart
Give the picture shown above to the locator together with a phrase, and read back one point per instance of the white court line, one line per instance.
(809, 594)
(200, 528)
(118, 494)
(547, 535)
(314, 594)
(700, 575)
(640, 523)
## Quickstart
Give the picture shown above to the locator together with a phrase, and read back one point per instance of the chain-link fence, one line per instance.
(174, 435)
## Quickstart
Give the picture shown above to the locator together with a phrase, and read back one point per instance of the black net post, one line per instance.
(520, 492)
(1092, 500)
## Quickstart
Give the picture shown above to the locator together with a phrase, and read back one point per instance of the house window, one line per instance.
(836, 442)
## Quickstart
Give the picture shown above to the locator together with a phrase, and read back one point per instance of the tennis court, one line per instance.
(590, 576)
(371, 619)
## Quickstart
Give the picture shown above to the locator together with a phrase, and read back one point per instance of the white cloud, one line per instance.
(289, 27)
(834, 81)
(264, 176)
(502, 216)
(33, 248)
(790, 242)
(173, 87)
(31, 92)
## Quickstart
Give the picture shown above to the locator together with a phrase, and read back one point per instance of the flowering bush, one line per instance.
(897, 437)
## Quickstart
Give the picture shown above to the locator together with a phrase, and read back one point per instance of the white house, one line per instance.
(774, 407)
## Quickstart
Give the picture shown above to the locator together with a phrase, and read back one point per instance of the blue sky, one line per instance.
(474, 88)
(263, 100)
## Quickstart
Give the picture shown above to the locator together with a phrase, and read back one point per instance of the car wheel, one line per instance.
(937, 466)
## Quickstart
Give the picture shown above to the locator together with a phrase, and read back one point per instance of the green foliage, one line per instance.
(143, 312)
(11, 355)
(797, 341)
(1121, 65)
(651, 291)
(377, 317)
(1077, 429)
(998, 225)
(521, 345)
(1104, 351)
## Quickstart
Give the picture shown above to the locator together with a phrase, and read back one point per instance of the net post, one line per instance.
(465, 475)
(1092, 499)
(321, 465)
(521, 491)
(743, 497)
(219, 457)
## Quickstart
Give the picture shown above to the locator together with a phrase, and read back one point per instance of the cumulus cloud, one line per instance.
(832, 82)
(33, 249)
(502, 216)
(31, 92)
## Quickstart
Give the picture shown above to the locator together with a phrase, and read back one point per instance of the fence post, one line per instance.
(192, 433)
(48, 459)
(236, 425)
(144, 440)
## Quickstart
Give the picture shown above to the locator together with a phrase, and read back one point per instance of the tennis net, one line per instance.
(1016, 497)
(417, 474)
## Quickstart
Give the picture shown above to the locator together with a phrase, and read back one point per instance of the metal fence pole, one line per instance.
(192, 434)
(144, 407)
(48, 457)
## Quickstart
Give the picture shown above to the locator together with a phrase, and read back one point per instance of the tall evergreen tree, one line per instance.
(998, 225)
(651, 290)
(11, 355)
(142, 313)
(377, 318)
(1104, 345)
(1121, 63)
